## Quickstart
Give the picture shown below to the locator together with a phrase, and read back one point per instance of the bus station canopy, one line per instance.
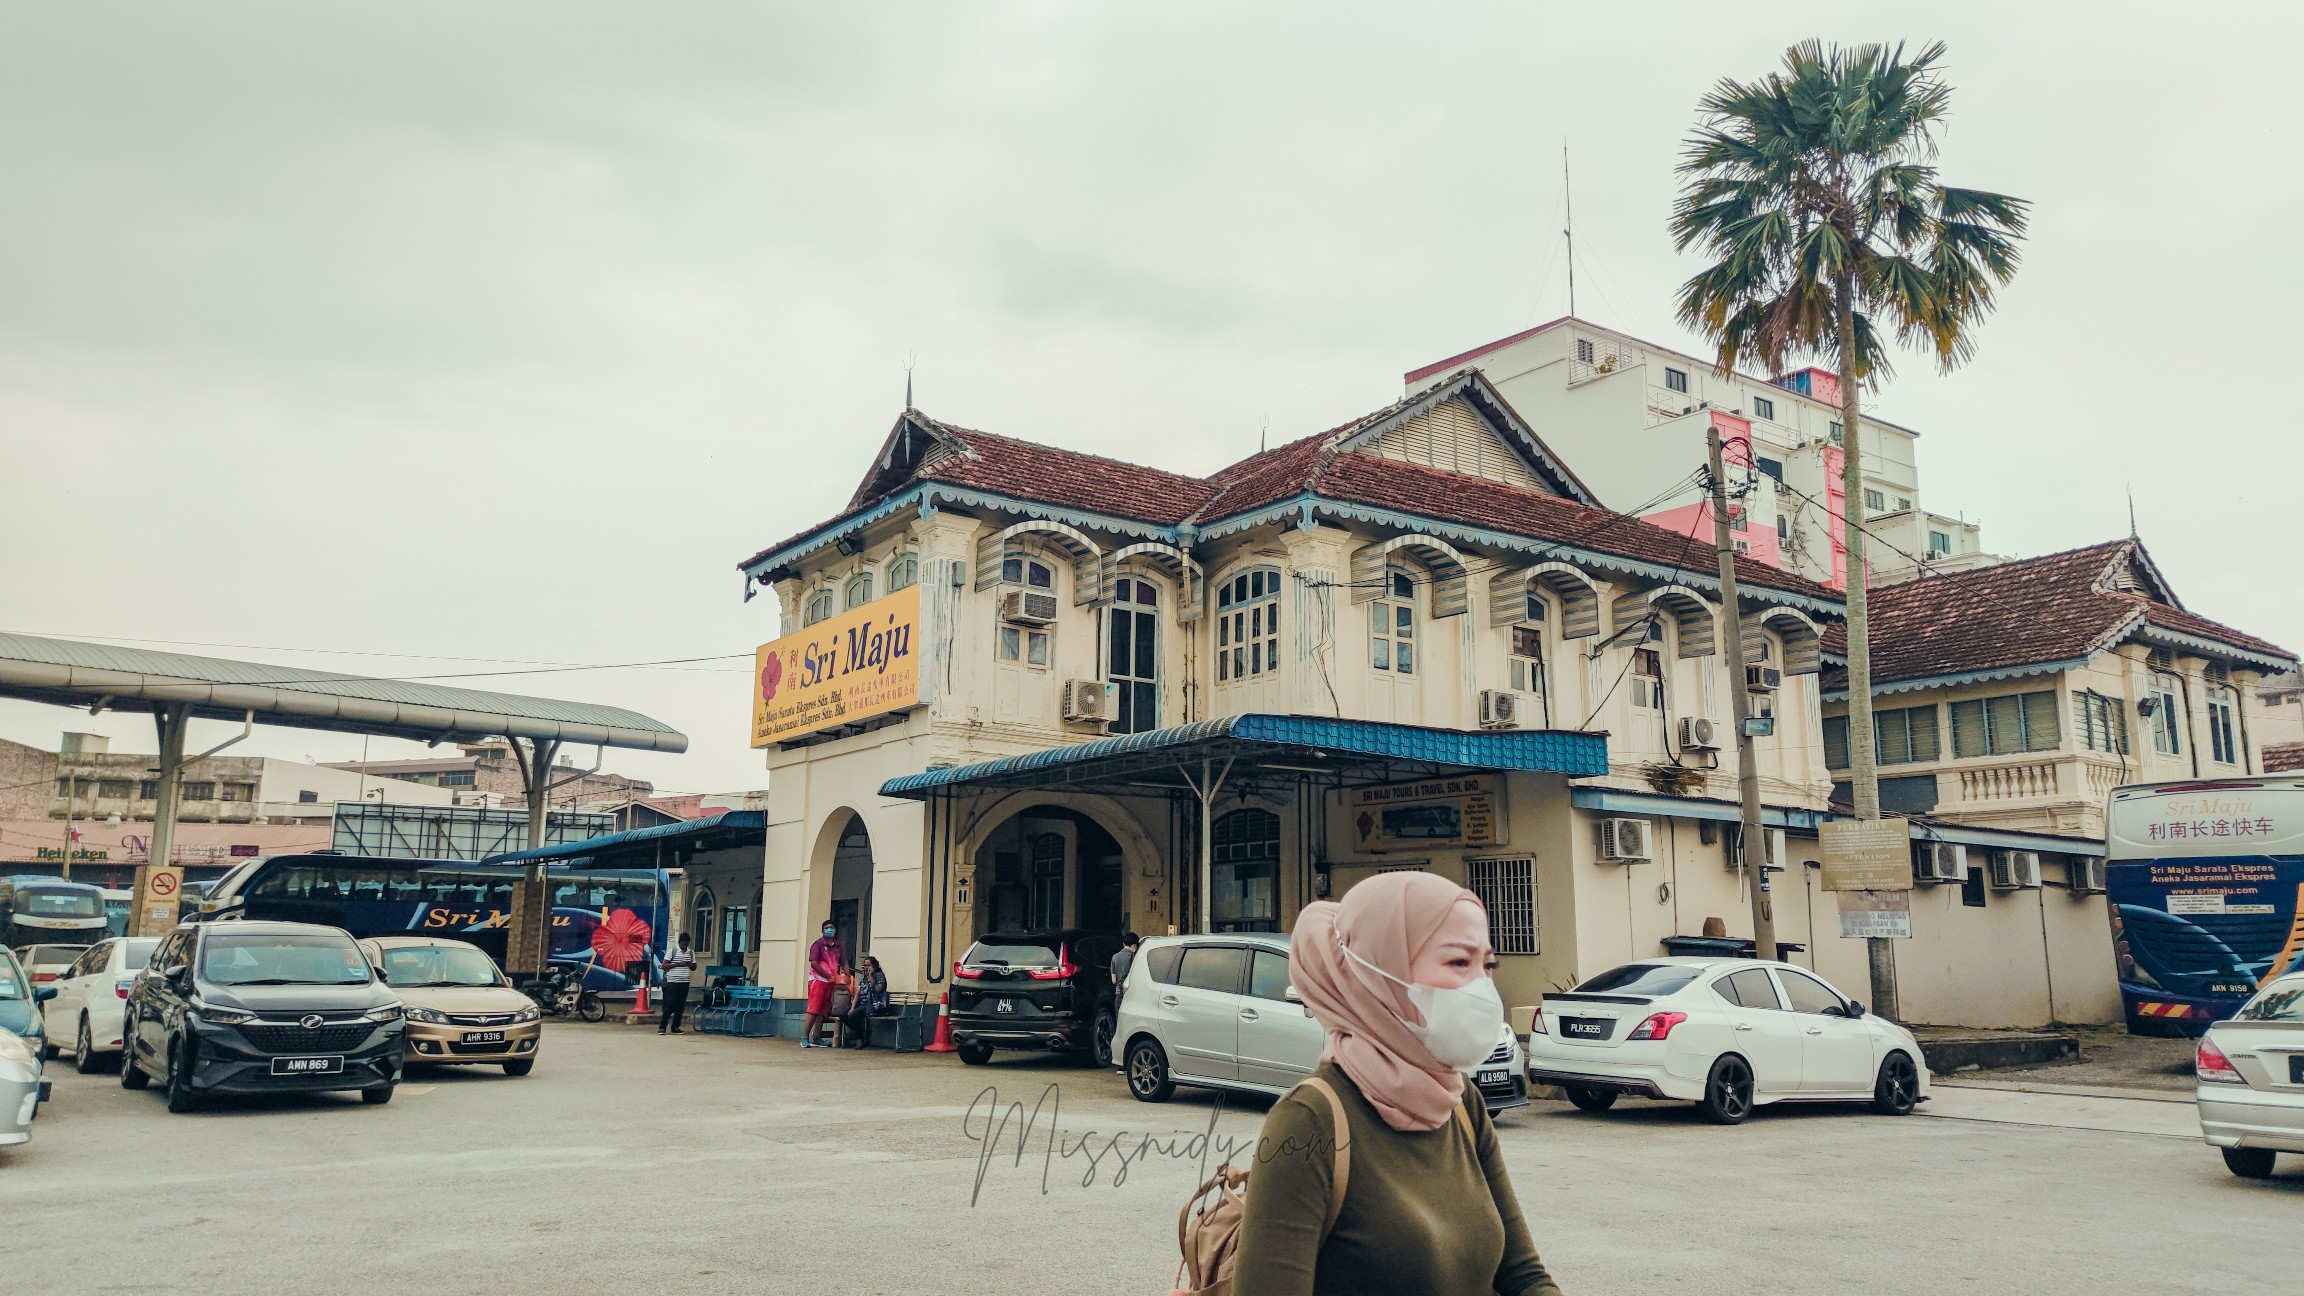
(727, 828)
(101, 676)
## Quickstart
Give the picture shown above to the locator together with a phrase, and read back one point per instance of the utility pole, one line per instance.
(1752, 837)
(71, 783)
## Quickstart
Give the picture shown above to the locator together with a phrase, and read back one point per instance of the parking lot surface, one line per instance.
(704, 1164)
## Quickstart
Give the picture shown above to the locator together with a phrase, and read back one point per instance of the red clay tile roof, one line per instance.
(1093, 483)
(2279, 758)
(2033, 611)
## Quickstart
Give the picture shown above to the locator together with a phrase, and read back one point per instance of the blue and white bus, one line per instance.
(370, 896)
(2203, 879)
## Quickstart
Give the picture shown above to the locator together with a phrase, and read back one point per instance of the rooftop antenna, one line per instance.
(1568, 196)
(909, 357)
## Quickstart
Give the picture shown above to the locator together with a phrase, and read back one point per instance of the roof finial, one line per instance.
(909, 357)
(1263, 433)
(2132, 512)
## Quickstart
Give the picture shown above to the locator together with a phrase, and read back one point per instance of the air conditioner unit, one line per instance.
(1940, 862)
(1696, 734)
(1499, 709)
(2014, 870)
(1623, 841)
(2087, 873)
(1086, 700)
(1028, 608)
(1763, 679)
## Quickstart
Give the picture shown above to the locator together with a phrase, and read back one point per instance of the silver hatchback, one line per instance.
(1217, 1012)
(2251, 1079)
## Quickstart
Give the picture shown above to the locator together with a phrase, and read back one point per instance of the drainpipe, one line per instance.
(1211, 783)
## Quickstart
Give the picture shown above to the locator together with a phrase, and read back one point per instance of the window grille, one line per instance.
(1507, 887)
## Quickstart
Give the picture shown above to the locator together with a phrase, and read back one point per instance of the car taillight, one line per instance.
(1536, 1024)
(1658, 1026)
(121, 986)
(962, 970)
(2210, 1064)
(1062, 971)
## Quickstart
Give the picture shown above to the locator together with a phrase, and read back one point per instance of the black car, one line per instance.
(1049, 991)
(260, 1007)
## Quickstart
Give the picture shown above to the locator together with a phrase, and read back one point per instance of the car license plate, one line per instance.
(307, 1065)
(1493, 1076)
(2296, 1068)
(483, 1037)
(1585, 1027)
(1005, 1005)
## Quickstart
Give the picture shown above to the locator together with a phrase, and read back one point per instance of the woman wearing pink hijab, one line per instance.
(1397, 973)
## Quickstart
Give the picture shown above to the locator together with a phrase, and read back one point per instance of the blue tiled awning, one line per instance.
(1289, 746)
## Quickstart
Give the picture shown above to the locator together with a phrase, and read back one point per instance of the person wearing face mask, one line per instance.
(1398, 975)
(826, 957)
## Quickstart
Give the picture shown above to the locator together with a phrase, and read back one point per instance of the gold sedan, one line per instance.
(459, 1007)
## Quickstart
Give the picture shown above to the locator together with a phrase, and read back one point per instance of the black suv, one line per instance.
(1046, 990)
(260, 1007)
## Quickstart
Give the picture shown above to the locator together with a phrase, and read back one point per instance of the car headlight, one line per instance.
(15, 1050)
(209, 1012)
(528, 1014)
(391, 1012)
(416, 1014)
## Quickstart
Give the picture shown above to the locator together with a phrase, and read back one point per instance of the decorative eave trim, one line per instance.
(2166, 638)
(926, 496)
(1965, 677)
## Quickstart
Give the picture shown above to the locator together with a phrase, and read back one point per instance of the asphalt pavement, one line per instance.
(702, 1164)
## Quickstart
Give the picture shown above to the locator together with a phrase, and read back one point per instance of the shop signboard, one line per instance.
(1866, 854)
(1866, 914)
(1462, 811)
(862, 663)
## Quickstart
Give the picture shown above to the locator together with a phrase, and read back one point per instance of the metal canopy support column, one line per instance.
(172, 719)
(532, 913)
(1206, 789)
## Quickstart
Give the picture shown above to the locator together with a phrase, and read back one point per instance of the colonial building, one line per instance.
(1427, 590)
(2008, 702)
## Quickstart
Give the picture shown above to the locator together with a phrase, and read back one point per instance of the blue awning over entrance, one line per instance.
(1293, 746)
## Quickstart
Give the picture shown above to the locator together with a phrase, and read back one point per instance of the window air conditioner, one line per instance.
(1499, 709)
(1086, 700)
(2014, 870)
(1940, 862)
(1027, 608)
(2087, 873)
(1734, 855)
(1696, 734)
(1763, 679)
(1623, 841)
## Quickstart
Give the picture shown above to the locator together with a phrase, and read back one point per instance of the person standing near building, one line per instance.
(679, 970)
(1123, 961)
(826, 957)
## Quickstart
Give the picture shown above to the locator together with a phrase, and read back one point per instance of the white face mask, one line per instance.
(1462, 1025)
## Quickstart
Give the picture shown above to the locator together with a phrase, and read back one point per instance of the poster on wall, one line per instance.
(1865, 915)
(1866, 854)
(859, 664)
(1463, 811)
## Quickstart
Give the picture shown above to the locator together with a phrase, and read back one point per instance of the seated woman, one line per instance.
(871, 996)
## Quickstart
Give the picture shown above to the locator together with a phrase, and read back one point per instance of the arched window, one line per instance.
(903, 571)
(1018, 570)
(1248, 625)
(1244, 882)
(1392, 624)
(819, 607)
(701, 912)
(1526, 660)
(859, 590)
(1133, 662)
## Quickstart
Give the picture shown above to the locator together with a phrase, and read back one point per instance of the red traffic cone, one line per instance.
(943, 1041)
(640, 1005)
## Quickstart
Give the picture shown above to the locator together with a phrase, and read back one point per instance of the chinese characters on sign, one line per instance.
(1867, 914)
(2182, 830)
(843, 669)
(1463, 811)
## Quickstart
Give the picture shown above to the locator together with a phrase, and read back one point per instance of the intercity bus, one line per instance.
(371, 896)
(37, 910)
(2203, 879)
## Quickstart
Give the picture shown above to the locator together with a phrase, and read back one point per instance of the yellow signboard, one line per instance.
(1866, 854)
(864, 662)
(1463, 811)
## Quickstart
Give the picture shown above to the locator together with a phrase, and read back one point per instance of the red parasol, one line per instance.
(619, 939)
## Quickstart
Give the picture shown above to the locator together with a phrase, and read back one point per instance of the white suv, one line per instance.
(1218, 1012)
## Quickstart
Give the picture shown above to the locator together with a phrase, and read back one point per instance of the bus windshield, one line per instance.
(2203, 881)
(58, 900)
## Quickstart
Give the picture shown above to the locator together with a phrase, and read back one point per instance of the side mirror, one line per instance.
(1855, 1009)
(379, 971)
(176, 973)
(42, 994)
(1291, 996)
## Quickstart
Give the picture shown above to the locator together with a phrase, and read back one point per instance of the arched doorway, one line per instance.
(1049, 867)
(850, 902)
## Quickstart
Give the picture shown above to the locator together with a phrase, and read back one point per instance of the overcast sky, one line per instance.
(448, 332)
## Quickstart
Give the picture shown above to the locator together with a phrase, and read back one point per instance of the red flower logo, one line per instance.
(770, 673)
(619, 939)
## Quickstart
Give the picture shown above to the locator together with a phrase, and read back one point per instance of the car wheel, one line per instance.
(1728, 1091)
(84, 1049)
(377, 1096)
(48, 1050)
(1100, 1038)
(1592, 1100)
(1898, 1088)
(181, 1099)
(2249, 1163)
(1148, 1072)
(131, 1075)
(975, 1054)
(520, 1067)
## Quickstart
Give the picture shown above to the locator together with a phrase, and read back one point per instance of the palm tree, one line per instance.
(1813, 189)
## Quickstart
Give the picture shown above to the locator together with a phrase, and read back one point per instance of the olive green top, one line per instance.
(1424, 1211)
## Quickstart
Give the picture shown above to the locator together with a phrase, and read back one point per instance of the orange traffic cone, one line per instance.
(640, 1005)
(943, 1041)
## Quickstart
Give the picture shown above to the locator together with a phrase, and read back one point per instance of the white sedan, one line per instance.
(90, 997)
(1729, 1034)
(2251, 1080)
(20, 1088)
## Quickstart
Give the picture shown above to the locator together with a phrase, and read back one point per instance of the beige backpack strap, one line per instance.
(1343, 1171)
